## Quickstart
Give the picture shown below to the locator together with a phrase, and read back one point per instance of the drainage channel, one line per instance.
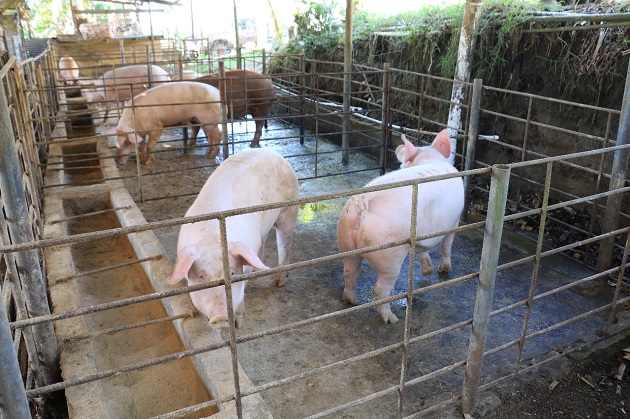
(78, 277)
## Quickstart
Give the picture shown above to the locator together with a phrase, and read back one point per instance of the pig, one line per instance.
(190, 75)
(384, 216)
(165, 106)
(246, 93)
(69, 71)
(248, 178)
(113, 86)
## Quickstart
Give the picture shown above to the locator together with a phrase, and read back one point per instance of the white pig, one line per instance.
(113, 86)
(69, 71)
(165, 106)
(251, 177)
(384, 216)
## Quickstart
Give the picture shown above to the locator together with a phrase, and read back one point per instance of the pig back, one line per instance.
(119, 79)
(247, 92)
(440, 203)
(174, 103)
(250, 177)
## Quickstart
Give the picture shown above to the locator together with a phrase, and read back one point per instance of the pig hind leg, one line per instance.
(351, 273)
(445, 253)
(259, 126)
(285, 225)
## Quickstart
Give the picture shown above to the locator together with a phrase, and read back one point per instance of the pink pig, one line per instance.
(251, 177)
(166, 106)
(384, 216)
(69, 71)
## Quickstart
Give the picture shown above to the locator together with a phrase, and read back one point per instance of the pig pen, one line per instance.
(302, 352)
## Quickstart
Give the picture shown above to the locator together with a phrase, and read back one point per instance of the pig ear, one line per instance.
(442, 143)
(407, 151)
(134, 138)
(185, 260)
(246, 255)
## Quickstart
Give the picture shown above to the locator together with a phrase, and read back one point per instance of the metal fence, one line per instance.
(513, 185)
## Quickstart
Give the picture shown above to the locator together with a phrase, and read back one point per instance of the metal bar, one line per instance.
(410, 277)
(473, 131)
(615, 299)
(19, 226)
(347, 85)
(537, 259)
(224, 111)
(617, 180)
(303, 96)
(485, 291)
(384, 157)
(230, 311)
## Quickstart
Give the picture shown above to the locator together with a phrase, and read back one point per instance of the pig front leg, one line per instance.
(213, 135)
(146, 154)
(194, 132)
(351, 272)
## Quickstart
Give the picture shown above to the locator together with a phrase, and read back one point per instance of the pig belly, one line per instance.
(176, 114)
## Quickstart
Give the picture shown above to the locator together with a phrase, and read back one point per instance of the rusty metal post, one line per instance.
(473, 131)
(122, 51)
(13, 401)
(224, 111)
(17, 219)
(485, 290)
(463, 68)
(617, 180)
(385, 132)
(239, 65)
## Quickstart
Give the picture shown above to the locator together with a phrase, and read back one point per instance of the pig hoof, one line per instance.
(281, 280)
(349, 297)
(254, 145)
(389, 317)
(444, 268)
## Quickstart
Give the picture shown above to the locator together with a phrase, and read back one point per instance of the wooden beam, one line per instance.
(114, 11)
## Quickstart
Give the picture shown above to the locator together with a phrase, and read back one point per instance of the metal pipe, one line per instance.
(473, 131)
(347, 85)
(385, 132)
(224, 111)
(485, 290)
(13, 401)
(19, 226)
(617, 181)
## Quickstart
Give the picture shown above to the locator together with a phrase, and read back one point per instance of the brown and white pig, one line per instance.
(246, 93)
(113, 87)
(69, 71)
(166, 106)
(251, 177)
(385, 216)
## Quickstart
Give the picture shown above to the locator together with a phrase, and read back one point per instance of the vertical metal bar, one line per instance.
(13, 401)
(410, 276)
(385, 134)
(264, 61)
(316, 87)
(485, 290)
(224, 113)
(149, 70)
(302, 95)
(230, 310)
(617, 180)
(532, 285)
(237, 39)
(347, 85)
(473, 131)
(18, 223)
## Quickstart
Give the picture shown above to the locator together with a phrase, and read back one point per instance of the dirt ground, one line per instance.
(556, 391)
